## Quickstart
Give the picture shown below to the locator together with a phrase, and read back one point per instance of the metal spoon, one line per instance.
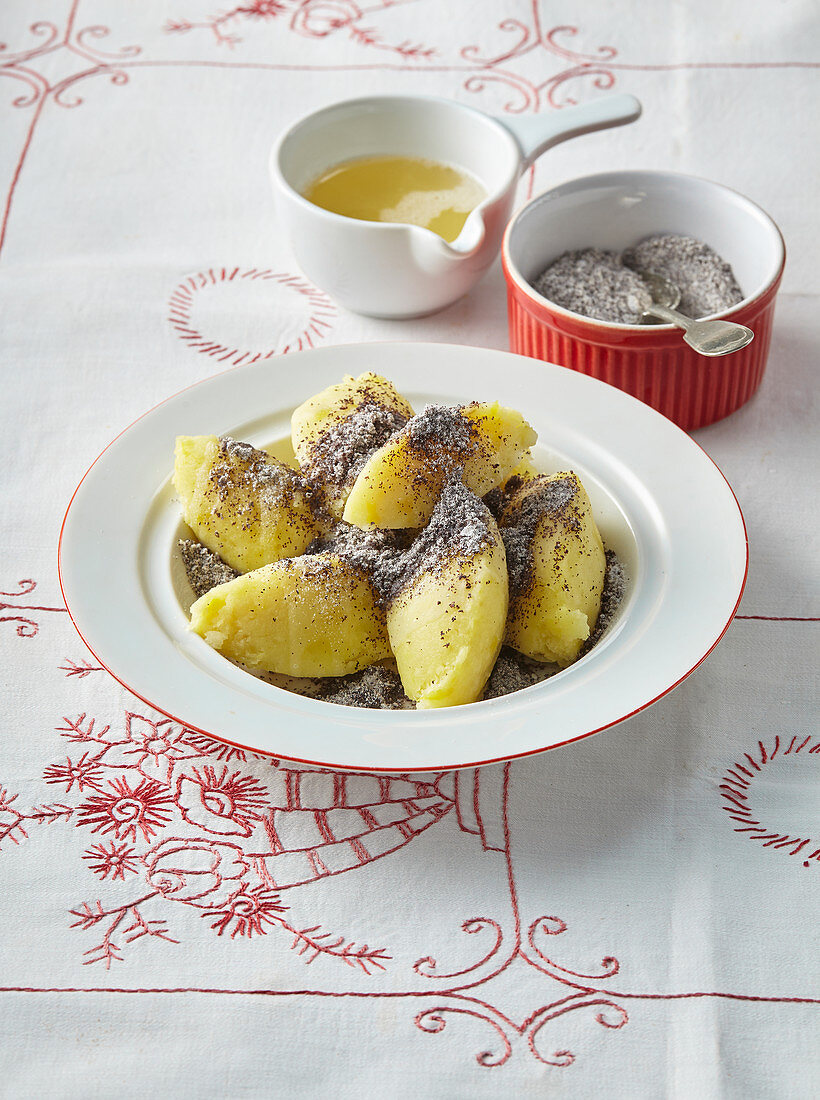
(706, 337)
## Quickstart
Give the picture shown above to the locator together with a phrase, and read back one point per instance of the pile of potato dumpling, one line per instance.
(427, 539)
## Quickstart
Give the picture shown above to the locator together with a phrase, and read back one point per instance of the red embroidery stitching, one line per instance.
(78, 669)
(428, 966)
(118, 860)
(318, 311)
(26, 627)
(243, 900)
(18, 66)
(311, 18)
(248, 912)
(737, 791)
(138, 784)
(123, 810)
(107, 951)
(318, 19)
(222, 804)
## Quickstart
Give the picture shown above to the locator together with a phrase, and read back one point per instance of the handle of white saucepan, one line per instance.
(537, 133)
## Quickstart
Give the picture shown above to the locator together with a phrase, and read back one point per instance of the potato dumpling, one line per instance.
(399, 485)
(435, 542)
(525, 469)
(314, 615)
(446, 621)
(556, 565)
(336, 431)
(325, 410)
(242, 503)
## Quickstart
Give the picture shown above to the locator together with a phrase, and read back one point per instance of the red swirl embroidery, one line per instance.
(428, 966)
(26, 626)
(225, 842)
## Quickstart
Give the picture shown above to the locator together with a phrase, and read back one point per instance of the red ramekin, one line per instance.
(613, 211)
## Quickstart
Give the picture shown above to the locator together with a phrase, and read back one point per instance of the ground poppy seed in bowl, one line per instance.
(595, 284)
(607, 286)
(706, 281)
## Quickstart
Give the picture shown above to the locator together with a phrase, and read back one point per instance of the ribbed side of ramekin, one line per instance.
(654, 365)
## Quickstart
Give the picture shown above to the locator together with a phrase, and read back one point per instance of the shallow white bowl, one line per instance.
(661, 504)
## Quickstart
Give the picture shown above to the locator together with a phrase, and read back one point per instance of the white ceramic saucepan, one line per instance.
(394, 270)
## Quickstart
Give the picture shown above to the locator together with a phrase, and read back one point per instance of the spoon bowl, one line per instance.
(664, 293)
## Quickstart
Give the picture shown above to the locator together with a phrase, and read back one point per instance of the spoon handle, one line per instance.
(671, 316)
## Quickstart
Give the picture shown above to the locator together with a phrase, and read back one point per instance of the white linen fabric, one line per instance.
(631, 915)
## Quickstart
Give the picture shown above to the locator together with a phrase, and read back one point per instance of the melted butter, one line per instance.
(399, 189)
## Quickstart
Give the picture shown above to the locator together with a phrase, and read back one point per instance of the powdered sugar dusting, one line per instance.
(378, 687)
(461, 526)
(242, 469)
(441, 428)
(458, 527)
(376, 552)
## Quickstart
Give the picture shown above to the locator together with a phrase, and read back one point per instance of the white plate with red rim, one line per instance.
(661, 504)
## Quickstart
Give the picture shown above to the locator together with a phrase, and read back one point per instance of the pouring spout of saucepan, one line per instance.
(534, 135)
(472, 235)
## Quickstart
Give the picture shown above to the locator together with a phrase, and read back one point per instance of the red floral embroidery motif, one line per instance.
(218, 840)
(124, 810)
(85, 772)
(262, 9)
(248, 912)
(214, 837)
(204, 873)
(117, 860)
(225, 804)
(310, 18)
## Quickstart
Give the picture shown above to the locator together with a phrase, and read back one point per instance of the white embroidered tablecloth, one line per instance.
(630, 915)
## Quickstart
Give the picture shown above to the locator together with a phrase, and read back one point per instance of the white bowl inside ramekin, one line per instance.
(614, 210)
